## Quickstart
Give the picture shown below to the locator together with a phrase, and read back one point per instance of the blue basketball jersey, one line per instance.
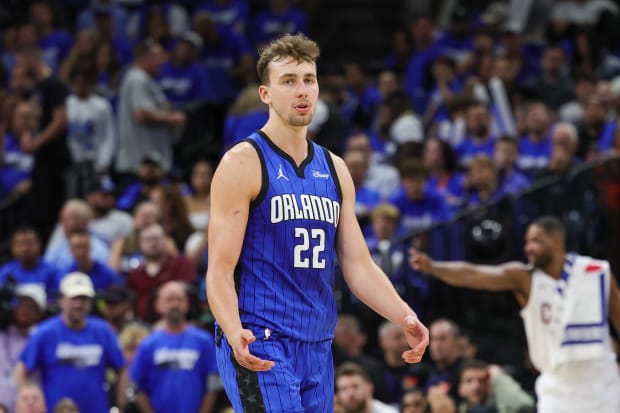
(285, 274)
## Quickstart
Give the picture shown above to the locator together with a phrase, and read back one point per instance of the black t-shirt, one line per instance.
(50, 93)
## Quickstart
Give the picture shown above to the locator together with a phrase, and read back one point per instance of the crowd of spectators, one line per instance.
(105, 142)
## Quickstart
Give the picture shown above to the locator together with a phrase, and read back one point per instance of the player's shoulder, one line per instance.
(240, 160)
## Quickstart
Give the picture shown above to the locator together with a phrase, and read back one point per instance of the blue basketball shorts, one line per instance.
(302, 379)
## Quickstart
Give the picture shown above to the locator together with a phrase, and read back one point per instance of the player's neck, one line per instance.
(554, 269)
(290, 139)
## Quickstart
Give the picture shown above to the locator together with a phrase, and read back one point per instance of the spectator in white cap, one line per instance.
(72, 350)
(28, 310)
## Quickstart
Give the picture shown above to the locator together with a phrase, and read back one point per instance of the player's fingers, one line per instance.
(254, 363)
(248, 336)
(413, 356)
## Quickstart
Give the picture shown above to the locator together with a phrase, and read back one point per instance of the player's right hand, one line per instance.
(240, 343)
(420, 261)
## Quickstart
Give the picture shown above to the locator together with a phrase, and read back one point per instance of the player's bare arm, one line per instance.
(235, 184)
(365, 279)
(614, 304)
(512, 276)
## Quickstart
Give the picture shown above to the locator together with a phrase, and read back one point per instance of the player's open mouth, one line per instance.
(302, 107)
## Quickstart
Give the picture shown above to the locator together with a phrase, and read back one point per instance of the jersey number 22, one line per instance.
(303, 256)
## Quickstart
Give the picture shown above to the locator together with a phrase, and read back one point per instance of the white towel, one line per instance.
(581, 309)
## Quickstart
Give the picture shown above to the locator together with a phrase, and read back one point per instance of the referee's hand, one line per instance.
(240, 341)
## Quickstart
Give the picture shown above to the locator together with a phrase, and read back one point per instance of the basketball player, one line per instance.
(282, 209)
(565, 301)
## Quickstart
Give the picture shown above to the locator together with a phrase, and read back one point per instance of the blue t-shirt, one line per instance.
(55, 47)
(73, 363)
(452, 189)
(16, 167)
(173, 369)
(514, 182)
(238, 127)
(533, 156)
(42, 274)
(60, 254)
(420, 214)
(219, 59)
(235, 14)
(366, 199)
(470, 148)
(183, 84)
(268, 25)
(101, 275)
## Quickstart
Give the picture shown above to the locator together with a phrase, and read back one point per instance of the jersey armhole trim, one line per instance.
(332, 168)
(264, 176)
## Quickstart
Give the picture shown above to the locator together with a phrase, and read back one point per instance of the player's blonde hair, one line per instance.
(296, 47)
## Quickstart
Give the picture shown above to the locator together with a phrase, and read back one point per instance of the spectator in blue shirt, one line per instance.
(505, 157)
(458, 41)
(444, 178)
(535, 146)
(75, 216)
(419, 206)
(484, 182)
(366, 199)
(15, 164)
(55, 44)
(88, 17)
(233, 14)
(362, 99)
(27, 267)
(278, 19)
(102, 276)
(182, 79)
(121, 46)
(72, 350)
(246, 115)
(478, 139)
(226, 56)
(176, 360)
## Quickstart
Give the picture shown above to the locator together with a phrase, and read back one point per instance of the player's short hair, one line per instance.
(297, 47)
(550, 224)
(352, 369)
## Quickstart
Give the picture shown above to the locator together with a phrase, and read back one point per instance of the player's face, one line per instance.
(292, 92)
(538, 247)
(353, 393)
(474, 386)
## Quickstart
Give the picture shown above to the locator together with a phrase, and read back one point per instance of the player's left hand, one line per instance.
(417, 337)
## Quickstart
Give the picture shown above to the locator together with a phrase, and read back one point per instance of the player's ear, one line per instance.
(263, 92)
